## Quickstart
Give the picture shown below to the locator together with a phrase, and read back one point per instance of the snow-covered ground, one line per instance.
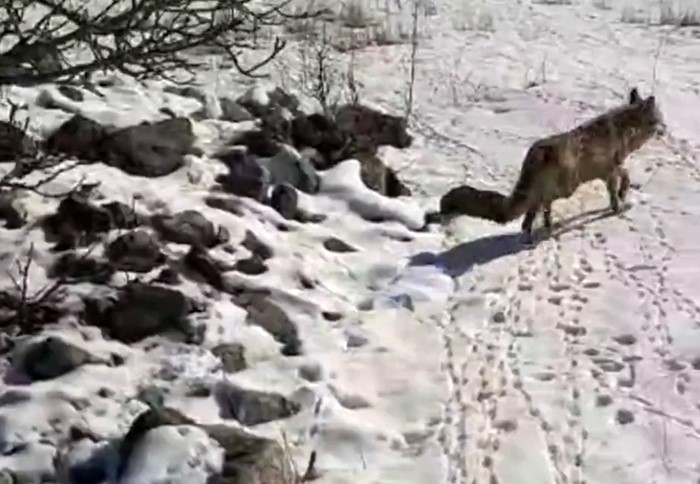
(460, 354)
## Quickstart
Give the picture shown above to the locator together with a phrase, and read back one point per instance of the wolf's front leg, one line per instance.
(624, 184)
(612, 183)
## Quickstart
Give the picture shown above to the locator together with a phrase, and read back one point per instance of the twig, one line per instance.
(414, 51)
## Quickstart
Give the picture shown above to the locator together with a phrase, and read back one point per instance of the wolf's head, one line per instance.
(645, 115)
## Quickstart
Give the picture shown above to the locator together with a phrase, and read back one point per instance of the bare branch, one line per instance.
(142, 38)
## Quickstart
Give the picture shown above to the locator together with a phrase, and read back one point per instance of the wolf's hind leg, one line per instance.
(547, 215)
(624, 184)
(612, 183)
(529, 219)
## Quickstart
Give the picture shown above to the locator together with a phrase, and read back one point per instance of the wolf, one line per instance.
(555, 166)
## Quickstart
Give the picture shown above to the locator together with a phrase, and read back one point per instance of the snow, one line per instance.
(463, 355)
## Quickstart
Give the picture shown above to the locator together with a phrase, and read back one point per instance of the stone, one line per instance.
(80, 137)
(50, 357)
(334, 244)
(264, 312)
(233, 112)
(150, 150)
(141, 310)
(232, 356)
(189, 227)
(72, 267)
(288, 166)
(135, 251)
(284, 200)
(252, 407)
(245, 177)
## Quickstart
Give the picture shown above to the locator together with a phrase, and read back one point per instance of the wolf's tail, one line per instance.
(494, 206)
(486, 204)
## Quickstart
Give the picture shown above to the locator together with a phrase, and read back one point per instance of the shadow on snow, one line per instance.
(461, 258)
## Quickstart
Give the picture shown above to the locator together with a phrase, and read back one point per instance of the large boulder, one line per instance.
(371, 127)
(135, 251)
(252, 407)
(288, 166)
(150, 150)
(264, 312)
(247, 459)
(320, 132)
(141, 310)
(14, 142)
(45, 358)
(379, 177)
(189, 227)
(245, 177)
(79, 136)
(77, 221)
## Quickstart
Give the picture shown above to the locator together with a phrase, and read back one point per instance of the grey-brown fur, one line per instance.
(555, 166)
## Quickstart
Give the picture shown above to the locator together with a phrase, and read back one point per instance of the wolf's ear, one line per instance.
(651, 100)
(634, 96)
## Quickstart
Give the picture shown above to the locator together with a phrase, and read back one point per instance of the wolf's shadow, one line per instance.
(461, 258)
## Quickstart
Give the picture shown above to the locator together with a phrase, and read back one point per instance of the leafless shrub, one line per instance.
(630, 15)
(353, 14)
(320, 74)
(137, 37)
(671, 14)
(414, 51)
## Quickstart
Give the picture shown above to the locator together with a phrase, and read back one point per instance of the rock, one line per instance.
(311, 371)
(189, 227)
(80, 137)
(373, 128)
(72, 93)
(377, 176)
(279, 98)
(6, 477)
(307, 217)
(334, 244)
(255, 100)
(245, 177)
(151, 150)
(141, 310)
(168, 276)
(284, 200)
(272, 318)
(252, 407)
(287, 166)
(13, 218)
(249, 459)
(211, 108)
(232, 356)
(252, 266)
(124, 216)
(233, 112)
(277, 124)
(258, 142)
(226, 204)
(321, 133)
(76, 222)
(202, 264)
(156, 416)
(256, 246)
(72, 267)
(50, 357)
(14, 143)
(394, 186)
(135, 251)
